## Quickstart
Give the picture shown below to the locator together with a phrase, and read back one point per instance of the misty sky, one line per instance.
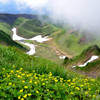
(82, 13)
(23, 6)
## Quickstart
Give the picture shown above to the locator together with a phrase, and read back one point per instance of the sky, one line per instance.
(77, 13)
(23, 6)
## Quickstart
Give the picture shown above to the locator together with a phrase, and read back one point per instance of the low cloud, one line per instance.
(82, 13)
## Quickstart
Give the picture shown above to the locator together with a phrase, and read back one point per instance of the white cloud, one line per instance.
(4, 1)
(33, 4)
(84, 13)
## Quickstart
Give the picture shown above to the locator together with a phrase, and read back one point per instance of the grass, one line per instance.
(91, 69)
(35, 27)
(69, 42)
(27, 77)
(19, 21)
(21, 84)
(45, 51)
(5, 27)
(5, 39)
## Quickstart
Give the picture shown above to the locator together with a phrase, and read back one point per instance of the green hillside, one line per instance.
(5, 39)
(35, 27)
(91, 69)
(22, 78)
(6, 28)
(74, 42)
(19, 21)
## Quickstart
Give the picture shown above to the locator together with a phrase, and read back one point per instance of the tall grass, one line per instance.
(12, 56)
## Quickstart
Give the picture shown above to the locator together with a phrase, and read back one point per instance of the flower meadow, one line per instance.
(20, 84)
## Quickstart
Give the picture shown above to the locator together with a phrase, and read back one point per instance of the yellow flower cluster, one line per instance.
(31, 84)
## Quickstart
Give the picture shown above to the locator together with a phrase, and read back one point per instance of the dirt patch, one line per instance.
(57, 50)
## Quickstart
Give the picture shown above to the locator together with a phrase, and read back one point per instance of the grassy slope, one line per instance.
(45, 51)
(6, 28)
(35, 27)
(91, 69)
(19, 21)
(5, 39)
(69, 42)
(14, 64)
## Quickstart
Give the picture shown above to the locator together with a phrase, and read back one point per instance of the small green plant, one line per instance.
(25, 85)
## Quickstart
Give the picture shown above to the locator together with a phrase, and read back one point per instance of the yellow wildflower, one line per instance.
(50, 74)
(35, 82)
(14, 85)
(56, 80)
(86, 93)
(61, 78)
(48, 90)
(77, 88)
(4, 75)
(29, 94)
(21, 68)
(21, 90)
(36, 78)
(13, 66)
(30, 81)
(71, 93)
(25, 96)
(23, 74)
(22, 98)
(37, 91)
(19, 97)
(23, 81)
(3, 68)
(68, 80)
(10, 83)
(12, 71)
(43, 83)
(89, 95)
(25, 87)
(82, 85)
(93, 96)
(93, 80)
(33, 71)
(18, 76)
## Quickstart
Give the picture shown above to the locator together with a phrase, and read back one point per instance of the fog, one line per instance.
(84, 14)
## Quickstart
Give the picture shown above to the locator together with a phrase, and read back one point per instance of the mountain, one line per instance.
(5, 39)
(10, 18)
(35, 27)
(74, 42)
(92, 68)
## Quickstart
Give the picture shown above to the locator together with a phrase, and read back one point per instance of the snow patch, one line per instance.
(90, 60)
(15, 36)
(62, 57)
(32, 48)
(39, 38)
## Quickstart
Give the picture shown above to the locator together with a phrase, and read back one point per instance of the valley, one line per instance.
(47, 61)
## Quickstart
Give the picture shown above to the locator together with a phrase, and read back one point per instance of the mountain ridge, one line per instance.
(10, 18)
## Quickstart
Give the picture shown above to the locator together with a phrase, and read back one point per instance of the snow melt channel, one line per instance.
(16, 37)
(32, 46)
(90, 60)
